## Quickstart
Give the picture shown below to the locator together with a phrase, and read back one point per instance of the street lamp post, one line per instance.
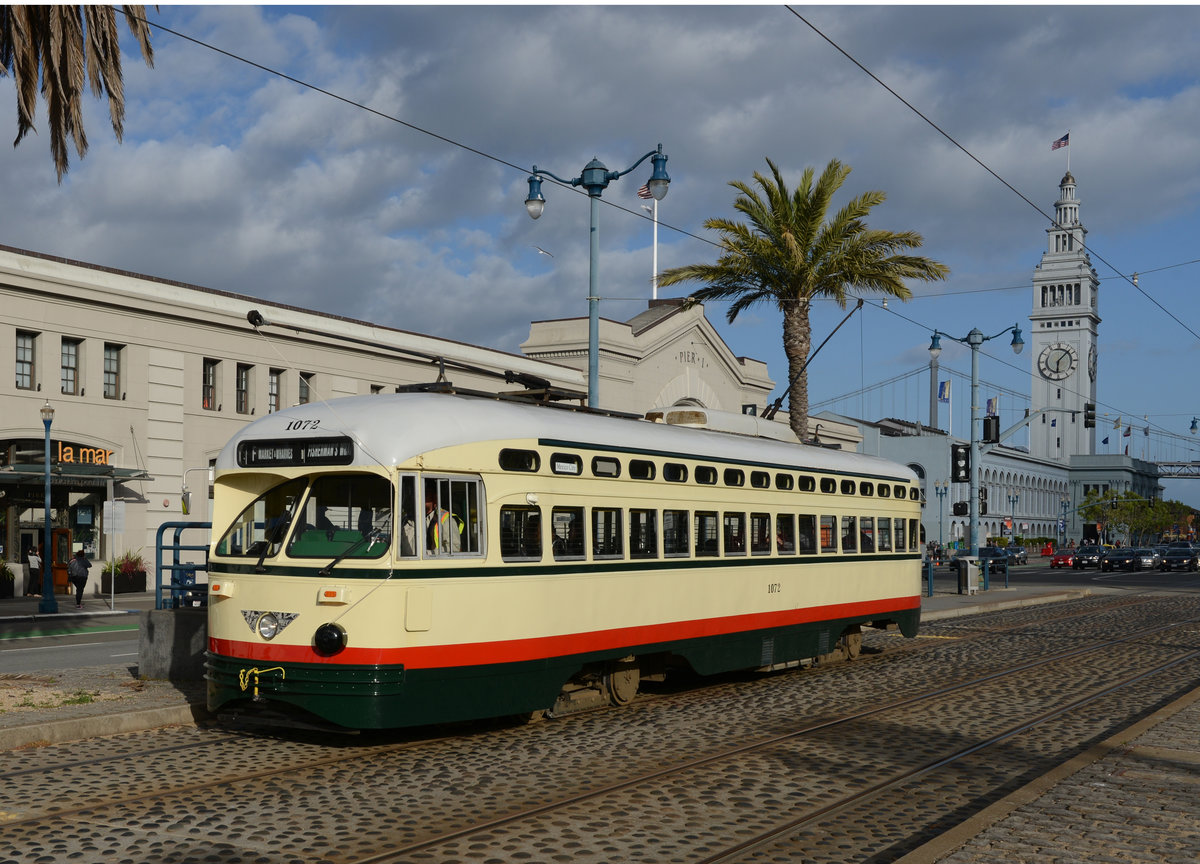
(974, 340)
(941, 487)
(1012, 508)
(48, 603)
(1062, 523)
(595, 179)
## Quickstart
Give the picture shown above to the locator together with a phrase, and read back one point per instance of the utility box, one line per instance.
(968, 574)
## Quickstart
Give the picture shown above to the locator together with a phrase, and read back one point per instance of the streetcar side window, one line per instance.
(519, 460)
(806, 535)
(760, 479)
(900, 542)
(520, 533)
(829, 533)
(643, 534)
(899, 492)
(346, 515)
(784, 481)
(865, 488)
(785, 533)
(707, 535)
(735, 477)
(452, 515)
(849, 534)
(760, 533)
(912, 535)
(866, 532)
(885, 491)
(807, 483)
(675, 533)
(706, 475)
(847, 487)
(606, 533)
(735, 533)
(885, 531)
(408, 517)
(603, 466)
(641, 469)
(828, 486)
(674, 472)
(568, 529)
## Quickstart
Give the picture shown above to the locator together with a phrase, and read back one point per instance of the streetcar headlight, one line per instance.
(267, 625)
(329, 639)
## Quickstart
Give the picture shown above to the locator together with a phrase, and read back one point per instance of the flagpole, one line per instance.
(654, 275)
(1068, 153)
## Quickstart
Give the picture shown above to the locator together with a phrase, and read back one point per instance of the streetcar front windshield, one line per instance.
(259, 530)
(347, 515)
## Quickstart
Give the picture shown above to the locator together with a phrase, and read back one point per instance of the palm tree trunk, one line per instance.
(797, 342)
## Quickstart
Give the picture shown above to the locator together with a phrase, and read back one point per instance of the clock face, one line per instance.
(1057, 361)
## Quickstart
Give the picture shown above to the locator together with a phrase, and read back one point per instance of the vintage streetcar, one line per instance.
(422, 557)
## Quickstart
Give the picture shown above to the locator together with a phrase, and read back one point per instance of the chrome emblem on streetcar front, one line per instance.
(268, 625)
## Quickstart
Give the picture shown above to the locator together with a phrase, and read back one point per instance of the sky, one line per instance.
(406, 209)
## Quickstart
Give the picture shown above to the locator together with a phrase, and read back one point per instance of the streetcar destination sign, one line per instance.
(301, 451)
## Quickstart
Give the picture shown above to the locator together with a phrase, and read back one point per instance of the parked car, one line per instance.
(1118, 559)
(1087, 556)
(1063, 558)
(1180, 556)
(1017, 554)
(1145, 559)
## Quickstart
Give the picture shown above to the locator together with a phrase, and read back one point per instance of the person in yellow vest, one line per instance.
(441, 531)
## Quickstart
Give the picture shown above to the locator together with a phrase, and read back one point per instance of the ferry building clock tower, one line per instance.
(1063, 331)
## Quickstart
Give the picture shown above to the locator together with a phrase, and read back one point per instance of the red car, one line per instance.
(1063, 558)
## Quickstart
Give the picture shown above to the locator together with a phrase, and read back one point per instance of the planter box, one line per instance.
(7, 588)
(127, 583)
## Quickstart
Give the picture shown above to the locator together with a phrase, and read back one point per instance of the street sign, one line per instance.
(114, 517)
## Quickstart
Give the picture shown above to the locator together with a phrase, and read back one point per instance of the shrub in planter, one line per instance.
(8, 581)
(127, 572)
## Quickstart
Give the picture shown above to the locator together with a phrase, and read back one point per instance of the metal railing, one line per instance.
(180, 587)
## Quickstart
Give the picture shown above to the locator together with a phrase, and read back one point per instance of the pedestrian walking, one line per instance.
(77, 572)
(34, 587)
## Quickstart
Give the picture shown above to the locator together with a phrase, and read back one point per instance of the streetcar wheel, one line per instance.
(852, 645)
(621, 681)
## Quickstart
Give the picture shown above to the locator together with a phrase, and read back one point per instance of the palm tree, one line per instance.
(791, 254)
(62, 46)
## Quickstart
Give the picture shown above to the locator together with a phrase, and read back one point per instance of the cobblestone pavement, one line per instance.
(1132, 799)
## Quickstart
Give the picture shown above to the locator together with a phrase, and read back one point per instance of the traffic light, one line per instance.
(982, 500)
(960, 463)
(960, 508)
(1089, 415)
(991, 430)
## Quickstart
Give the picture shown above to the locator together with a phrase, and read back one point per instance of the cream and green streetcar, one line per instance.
(395, 560)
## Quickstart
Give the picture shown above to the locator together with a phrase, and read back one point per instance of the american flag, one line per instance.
(1064, 141)
(644, 192)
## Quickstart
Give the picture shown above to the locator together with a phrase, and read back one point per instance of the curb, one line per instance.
(63, 731)
(998, 605)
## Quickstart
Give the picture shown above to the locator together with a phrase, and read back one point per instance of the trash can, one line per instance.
(968, 574)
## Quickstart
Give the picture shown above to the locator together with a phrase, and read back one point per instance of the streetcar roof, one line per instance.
(390, 429)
